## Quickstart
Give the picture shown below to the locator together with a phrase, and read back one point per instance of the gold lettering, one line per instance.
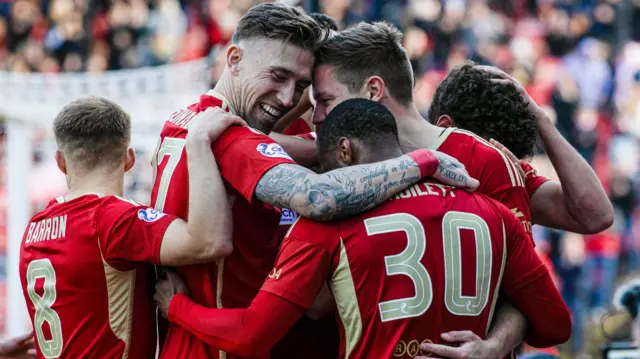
(30, 233)
(420, 191)
(413, 348)
(405, 194)
(429, 190)
(275, 274)
(47, 233)
(400, 349)
(63, 226)
(54, 228)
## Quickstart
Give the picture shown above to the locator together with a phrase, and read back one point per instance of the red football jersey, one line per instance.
(532, 180)
(84, 276)
(243, 156)
(498, 176)
(429, 261)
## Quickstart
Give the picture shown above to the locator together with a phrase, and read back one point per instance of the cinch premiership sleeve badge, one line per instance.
(272, 150)
(149, 215)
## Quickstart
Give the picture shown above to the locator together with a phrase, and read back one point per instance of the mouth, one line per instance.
(271, 112)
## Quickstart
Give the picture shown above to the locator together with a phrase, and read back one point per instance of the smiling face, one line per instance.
(327, 92)
(271, 77)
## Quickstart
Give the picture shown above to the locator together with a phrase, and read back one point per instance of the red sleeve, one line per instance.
(246, 332)
(530, 288)
(244, 155)
(130, 232)
(531, 179)
(300, 270)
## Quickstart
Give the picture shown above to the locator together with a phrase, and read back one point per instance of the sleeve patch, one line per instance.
(273, 150)
(149, 215)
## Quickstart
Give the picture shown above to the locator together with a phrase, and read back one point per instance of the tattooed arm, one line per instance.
(355, 189)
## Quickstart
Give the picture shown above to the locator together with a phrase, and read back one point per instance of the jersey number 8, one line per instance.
(42, 268)
(408, 263)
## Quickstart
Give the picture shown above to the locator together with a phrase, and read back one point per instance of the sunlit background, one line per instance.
(579, 59)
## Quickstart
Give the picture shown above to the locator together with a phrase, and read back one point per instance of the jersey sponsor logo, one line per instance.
(275, 273)
(288, 217)
(149, 215)
(272, 150)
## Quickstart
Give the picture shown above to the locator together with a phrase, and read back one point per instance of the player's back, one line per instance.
(498, 176)
(427, 262)
(84, 305)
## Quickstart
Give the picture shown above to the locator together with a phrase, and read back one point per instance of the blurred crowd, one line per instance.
(579, 59)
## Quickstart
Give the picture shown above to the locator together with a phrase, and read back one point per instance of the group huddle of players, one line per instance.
(414, 235)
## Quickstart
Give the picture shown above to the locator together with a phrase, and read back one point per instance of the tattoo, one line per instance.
(338, 193)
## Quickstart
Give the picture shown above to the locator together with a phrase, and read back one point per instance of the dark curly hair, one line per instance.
(487, 109)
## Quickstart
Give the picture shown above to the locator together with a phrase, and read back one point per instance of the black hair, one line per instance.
(357, 119)
(485, 108)
(325, 20)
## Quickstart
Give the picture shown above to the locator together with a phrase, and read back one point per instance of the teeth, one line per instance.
(271, 110)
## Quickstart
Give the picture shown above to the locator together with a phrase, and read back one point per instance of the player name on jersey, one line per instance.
(426, 189)
(47, 229)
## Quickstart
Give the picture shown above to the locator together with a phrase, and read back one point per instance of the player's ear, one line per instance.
(130, 159)
(234, 56)
(375, 88)
(61, 162)
(445, 121)
(345, 152)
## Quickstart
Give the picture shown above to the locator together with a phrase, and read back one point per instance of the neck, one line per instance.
(414, 131)
(225, 87)
(380, 154)
(99, 181)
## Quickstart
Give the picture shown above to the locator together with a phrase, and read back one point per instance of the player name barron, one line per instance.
(47, 229)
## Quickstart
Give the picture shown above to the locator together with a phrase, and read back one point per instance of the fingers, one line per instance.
(24, 338)
(460, 336)
(510, 155)
(441, 350)
(237, 121)
(495, 72)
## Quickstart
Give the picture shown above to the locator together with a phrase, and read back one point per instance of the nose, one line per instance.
(318, 116)
(286, 96)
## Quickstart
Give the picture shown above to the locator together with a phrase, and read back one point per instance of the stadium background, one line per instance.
(579, 59)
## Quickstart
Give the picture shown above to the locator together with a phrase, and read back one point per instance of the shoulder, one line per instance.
(488, 162)
(319, 233)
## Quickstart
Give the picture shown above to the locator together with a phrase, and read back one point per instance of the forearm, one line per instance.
(583, 195)
(246, 332)
(342, 192)
(209, 218)
(507, 330)
(302, 151)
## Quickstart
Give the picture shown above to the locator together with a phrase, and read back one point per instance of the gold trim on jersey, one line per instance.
(220, 276)
(120, 292)
(225, 102)
(514, 174)
(344, 293)
(443, 137)
(499, 282)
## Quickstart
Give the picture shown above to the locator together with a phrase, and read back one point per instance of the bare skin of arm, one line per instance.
(347, 191)
(578, 203)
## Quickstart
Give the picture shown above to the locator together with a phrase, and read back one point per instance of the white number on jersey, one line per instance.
(408, 263)
(42, 268)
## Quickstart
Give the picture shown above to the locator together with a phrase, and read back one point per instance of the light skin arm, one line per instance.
(578, 203)
(350, 190)
(203, 237)
(304, 152)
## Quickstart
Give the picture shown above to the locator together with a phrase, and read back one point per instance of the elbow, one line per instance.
(219, 250)
(558, 331)
(599, 221)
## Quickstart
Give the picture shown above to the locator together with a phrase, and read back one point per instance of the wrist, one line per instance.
(175, 305)
(426, 160)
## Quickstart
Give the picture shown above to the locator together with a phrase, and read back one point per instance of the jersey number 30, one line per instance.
(408, 263)
(42, 268)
